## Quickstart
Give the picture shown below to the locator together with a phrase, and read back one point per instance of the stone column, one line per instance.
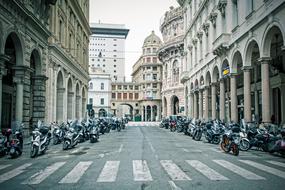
(19, 80)
(247, 94)
(3, 72)
(151, 113)
(214, 94)
(256, 94)
(201, 104)
(265, 88)
(222, 99)
(195, 105)
(206, 111)
(191, 106)
(234, 112)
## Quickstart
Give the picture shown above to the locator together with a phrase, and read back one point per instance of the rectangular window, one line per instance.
(148, 60)
(125, 96)
(136, 96)
(113, 95)
(90, 100)
(154, 85)
(136, 87)
(154, 60)
(102, 86)
(148, 50)
(154, 76)
(131, 87)
(113, 87)
(154, 68)
(131, 96)
(125, 87)
(119, 96)
(102, 101)
(119, 87)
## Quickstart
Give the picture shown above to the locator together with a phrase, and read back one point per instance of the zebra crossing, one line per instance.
(143, 124)
(142, 171)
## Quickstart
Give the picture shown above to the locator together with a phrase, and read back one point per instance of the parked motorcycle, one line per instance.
(41, 136)
(94, 132)
(231, 140)
(16, 141)
(58, 133)
(71, 137)
(4, 141)
(279, 145)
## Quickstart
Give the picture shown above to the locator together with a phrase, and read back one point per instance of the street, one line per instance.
(143, 157)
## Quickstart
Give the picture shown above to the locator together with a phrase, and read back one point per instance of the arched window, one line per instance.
(91, 85)
(102, 86)
(175, 69)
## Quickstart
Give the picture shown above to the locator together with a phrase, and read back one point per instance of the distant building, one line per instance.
(171, 55)
(99, 92)
(147, 74)
(107, 49)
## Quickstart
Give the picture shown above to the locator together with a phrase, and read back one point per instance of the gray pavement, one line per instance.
(143, 157)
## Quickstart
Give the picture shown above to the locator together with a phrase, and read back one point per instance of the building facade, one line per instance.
(99, 92)
(28, 35)
(107, 49)
(235, 60)
(171, 55)
(125, 95)
(147, 74)
(67, 71)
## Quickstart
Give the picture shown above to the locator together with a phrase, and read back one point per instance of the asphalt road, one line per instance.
(143, 157)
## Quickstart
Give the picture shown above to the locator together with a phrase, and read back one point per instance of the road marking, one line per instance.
(206, 171)
(238, 170)
(76, 150)
(276, 163)
(151, 147)
(141, 171)
(173, 170)
(173, 185)
(265, 168)
(121, 148)
(109, 172)
(5, 166)
(14, 172)
(185, 150)
(76, 173)
(43, 174)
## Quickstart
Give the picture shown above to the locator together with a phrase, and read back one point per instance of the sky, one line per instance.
(140, 16)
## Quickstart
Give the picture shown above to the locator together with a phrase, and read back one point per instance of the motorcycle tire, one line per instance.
(199, 136)
(119, 129)
(34, 151)
(244, 145)
(92, 140)
(235, 149)
(216, 140)
(264, 147)
(65, 145)
(55, 140)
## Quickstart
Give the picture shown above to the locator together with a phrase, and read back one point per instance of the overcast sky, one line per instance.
(140, 16)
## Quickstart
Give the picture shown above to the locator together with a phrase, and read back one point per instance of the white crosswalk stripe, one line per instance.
(76, 173)
(173, 170)
(141, 171)
(43, 174)
(5, 166)
(282, 164)
(206, 171)
(13, 173)
(238, 170)
(109, 172)
(265, 168)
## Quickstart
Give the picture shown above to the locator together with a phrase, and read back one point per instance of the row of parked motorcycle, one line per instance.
(232, 137)
(68, 133)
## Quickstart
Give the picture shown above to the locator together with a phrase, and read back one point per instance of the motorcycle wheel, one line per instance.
(216, 141)
(264, 147)
(34, 151)
(55, 140)
(235, 149)
(65, 145)
(119, 129)
(92, 140)
(199, 136)
(244, 145)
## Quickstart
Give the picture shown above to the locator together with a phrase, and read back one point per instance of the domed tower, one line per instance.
(147, 73)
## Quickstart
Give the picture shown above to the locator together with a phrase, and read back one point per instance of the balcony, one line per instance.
(184, 76)
(221, 44)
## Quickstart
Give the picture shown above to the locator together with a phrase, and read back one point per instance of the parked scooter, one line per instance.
(16, 141)
(41, 136)
(71, 137)
(231, 140)
(279, 145)
(58, 133)
(94, 132)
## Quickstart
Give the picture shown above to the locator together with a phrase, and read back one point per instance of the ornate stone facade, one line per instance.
(235, 59)
(147, 74)
(30, 61)
(171, 55)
